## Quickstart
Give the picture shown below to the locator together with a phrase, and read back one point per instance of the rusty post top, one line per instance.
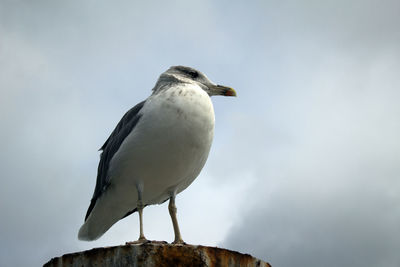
(156, 253)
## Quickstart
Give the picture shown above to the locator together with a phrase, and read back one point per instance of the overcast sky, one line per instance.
(305, 165)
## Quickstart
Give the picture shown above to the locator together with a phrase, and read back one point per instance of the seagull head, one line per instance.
(182, 74)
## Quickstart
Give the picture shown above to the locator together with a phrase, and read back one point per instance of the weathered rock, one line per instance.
(156, 254)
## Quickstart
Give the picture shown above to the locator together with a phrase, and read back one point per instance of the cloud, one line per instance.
(69, 75)
(304, 161)
(325, 160)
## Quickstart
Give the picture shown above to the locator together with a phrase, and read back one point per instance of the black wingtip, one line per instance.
(91, 206)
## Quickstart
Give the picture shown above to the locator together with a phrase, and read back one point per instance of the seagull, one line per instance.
(155, 152)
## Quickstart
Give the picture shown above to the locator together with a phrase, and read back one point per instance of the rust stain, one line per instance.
(159, 254)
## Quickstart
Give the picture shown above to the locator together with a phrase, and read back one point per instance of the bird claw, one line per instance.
(140, 241)
(179, 242)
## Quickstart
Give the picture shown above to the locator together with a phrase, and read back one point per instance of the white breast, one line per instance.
(168, 147)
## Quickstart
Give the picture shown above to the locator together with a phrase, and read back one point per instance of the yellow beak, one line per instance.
(223, 90)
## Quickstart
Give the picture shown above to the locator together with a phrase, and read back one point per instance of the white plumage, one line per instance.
(161, 156)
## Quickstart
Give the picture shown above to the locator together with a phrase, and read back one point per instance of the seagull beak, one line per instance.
(222, 90)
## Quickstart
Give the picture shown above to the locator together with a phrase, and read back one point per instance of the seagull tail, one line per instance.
(88, 233)
(97, 224)
(105, 213)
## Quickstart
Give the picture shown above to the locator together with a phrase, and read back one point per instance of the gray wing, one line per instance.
(110, 147)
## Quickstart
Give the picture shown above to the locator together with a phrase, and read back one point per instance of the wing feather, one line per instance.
(110, 147)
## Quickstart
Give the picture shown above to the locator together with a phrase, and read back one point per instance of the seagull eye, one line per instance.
(192, 73)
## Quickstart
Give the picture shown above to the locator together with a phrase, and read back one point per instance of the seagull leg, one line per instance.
(140, 207)
(172, 211)
(140, 210)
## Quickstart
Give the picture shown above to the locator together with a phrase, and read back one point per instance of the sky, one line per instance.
(304, 169)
